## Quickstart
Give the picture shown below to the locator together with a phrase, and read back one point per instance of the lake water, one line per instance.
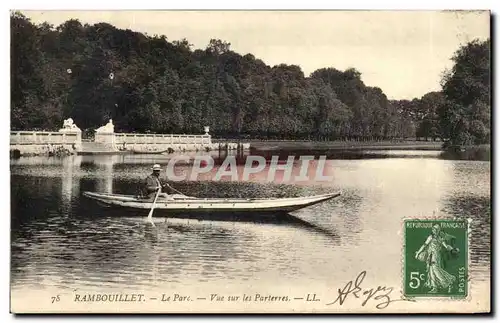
(58, 241)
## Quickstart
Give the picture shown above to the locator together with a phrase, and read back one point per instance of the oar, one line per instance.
(176, 190)
(150, 215)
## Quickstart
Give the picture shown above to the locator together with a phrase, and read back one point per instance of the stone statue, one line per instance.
(108, 128)
(69, 126)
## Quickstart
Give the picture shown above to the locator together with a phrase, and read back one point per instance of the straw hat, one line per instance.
(156, 167)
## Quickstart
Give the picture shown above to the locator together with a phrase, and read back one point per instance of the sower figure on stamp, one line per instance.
(154, 183)
(432, 252)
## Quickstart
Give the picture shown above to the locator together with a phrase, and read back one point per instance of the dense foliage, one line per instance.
(465, 115)
(147, 83)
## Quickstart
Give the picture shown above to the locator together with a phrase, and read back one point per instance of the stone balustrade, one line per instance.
(42, 137)
(69, 140)
(129, 138)
(157, 142)
(44, 143)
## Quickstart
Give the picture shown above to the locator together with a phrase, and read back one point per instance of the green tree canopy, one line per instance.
(466, 115)
(148, 83)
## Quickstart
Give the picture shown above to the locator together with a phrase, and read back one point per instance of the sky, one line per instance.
(402, 52)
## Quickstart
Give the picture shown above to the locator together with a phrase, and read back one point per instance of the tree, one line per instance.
(465, 116)
(218, 47)
(28, 91)
(427, 115)
(148, 83)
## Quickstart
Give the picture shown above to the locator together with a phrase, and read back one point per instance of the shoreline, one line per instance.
(345, 145)
(269, 146)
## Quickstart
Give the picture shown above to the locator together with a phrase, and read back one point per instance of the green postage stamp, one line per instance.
(436, 258)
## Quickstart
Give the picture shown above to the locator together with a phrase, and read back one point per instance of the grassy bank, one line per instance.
(475, 152)
(346, 145)
(346, 149)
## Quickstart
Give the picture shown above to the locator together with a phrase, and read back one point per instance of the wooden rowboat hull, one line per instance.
(184, 206)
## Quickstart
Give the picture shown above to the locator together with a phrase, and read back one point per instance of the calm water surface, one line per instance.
(58, 240)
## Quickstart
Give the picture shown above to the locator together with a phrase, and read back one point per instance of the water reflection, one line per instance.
(57, 240)
(470, 199)
(70, 187)
(478, 210)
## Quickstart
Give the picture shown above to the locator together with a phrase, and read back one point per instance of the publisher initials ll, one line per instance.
(312, 298)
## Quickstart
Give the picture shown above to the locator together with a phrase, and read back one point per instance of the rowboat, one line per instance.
(186, 206)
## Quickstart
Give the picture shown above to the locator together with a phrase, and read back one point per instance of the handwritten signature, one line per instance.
(381, 293)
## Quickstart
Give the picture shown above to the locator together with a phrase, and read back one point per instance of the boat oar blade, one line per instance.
(150, 215)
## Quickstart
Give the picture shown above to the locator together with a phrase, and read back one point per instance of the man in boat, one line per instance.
(153, 183)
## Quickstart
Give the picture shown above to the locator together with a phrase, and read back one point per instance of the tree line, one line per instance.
(93, 73)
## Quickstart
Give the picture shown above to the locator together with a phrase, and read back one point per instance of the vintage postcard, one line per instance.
(250, 162)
